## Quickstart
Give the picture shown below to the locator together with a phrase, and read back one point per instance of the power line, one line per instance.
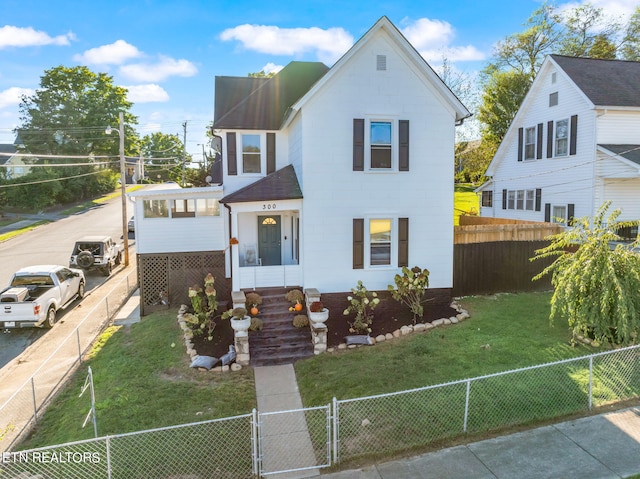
(49, 181)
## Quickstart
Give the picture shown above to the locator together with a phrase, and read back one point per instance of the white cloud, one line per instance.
(329, 45)
(434, 38)
(612, 8)
(11, 36)
(13, 95)
(153, 72)
(146, 93)
(271, 67)
(113, 54)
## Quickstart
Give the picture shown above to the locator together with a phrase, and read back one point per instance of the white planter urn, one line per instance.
(241, 326)
(320, 317)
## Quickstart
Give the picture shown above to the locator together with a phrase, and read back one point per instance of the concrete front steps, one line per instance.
(279, 342)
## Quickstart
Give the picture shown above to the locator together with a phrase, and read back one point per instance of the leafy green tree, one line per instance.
(162, 154)
(631, 45)
(67, 116)
(595, 287)
(587, 33)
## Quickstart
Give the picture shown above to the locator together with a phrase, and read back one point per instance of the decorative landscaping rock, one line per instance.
(404, 330)
(380, 338)
(419, 327)
(236, 367)
(438, 322)
(388, 336)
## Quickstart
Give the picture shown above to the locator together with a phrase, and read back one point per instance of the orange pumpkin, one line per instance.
(253, 311)
(298, 307)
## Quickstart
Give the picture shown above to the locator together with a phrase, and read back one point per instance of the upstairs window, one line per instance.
(562, 138)
(380, 145)
(487, 198)
(251, 153)
(530, 143)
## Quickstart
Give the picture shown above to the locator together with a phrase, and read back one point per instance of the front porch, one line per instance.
(252, 277)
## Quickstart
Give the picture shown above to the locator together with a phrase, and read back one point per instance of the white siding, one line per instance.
(334, 194)
(624, 195)
(563, 180)
(619, 127)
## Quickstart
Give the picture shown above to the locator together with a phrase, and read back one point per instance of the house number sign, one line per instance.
(269, 206)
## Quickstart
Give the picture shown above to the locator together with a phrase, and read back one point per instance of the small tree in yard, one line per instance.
(596, 287)
(409, 289)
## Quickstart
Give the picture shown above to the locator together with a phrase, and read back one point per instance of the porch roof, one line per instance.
(628, 152)
(279, 185)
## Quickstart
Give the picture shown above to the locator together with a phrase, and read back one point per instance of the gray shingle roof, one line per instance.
(279, 185)
(628, 152)
(6, 150)
(605, 82)
(262, 103)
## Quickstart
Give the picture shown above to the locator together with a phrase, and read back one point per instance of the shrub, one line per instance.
(253, 299)
(256, 324)
(204, 304)
(409, 289)
(300, 320)
(294, 296)
(362, 303)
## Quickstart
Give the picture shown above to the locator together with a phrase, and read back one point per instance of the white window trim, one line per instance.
(525, 144)
(394, 242)
(263, 154)
(395, 143)
(554, 218)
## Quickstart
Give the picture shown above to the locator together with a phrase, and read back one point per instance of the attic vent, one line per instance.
(381, 62)
(553, 77)
(553, 98)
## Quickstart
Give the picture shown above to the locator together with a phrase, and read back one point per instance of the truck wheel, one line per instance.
(81, 290)
(107, 269)
(51, 317)
(85, 259)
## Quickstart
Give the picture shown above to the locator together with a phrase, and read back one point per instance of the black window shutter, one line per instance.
(271, 152)
(574, 135)
(520, 139)
(538, 198)
(504, 199)
(570, 212)
(549, 139)
(539, 144)
(232, 160)
(403, 152)
(403, 242)
(358, 144)
(358, 243)
(547, 212)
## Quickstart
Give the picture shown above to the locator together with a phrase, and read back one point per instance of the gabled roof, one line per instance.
(403, 44)
(7, 150)
(261, 103)
(628, 152)
(604, 82)
(279, 185)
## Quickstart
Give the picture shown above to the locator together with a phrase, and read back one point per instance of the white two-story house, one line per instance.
(574, 144)
(329, 175)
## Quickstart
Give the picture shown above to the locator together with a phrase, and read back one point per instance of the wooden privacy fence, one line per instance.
(475, 229)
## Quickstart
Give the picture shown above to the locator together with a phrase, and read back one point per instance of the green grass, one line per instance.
(142, 380)
(11, 234)
(466, 201)
(97, 201)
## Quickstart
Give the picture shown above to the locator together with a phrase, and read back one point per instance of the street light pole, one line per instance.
(123, 188)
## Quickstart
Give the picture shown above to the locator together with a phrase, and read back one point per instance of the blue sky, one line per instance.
(167, 53)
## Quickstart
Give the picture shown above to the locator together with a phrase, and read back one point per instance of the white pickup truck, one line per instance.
(36, 293)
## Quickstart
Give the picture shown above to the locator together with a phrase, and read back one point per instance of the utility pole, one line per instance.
(184, 150)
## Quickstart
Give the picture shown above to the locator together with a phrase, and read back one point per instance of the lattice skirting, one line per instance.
(167, 276)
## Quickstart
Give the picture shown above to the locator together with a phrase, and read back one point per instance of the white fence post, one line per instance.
(336, 434)
(590, 382)
(466, 406)
(254, 441)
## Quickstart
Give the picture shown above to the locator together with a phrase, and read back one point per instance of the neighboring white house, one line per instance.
(12, 162)
(574, 144)
(330, 175)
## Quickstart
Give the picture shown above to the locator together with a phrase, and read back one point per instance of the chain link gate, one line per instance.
(294, 440)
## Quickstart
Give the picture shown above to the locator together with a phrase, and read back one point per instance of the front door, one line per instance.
(269, 240)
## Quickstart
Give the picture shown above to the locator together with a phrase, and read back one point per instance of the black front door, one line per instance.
(269, 240)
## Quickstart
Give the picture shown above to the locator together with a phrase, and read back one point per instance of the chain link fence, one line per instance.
(396, 422)
(23, 407)
(262, 444)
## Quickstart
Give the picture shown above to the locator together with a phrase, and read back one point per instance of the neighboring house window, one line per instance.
(562, 138)
(530, 143)
(520, 199)
(511, 200)
(530, 200)
(183, 209)
(380, 140)
(559, 214)
(380, 242)
(251, 153)
(207, 207)
(487, 199)
(628, 233)
(553, 98)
